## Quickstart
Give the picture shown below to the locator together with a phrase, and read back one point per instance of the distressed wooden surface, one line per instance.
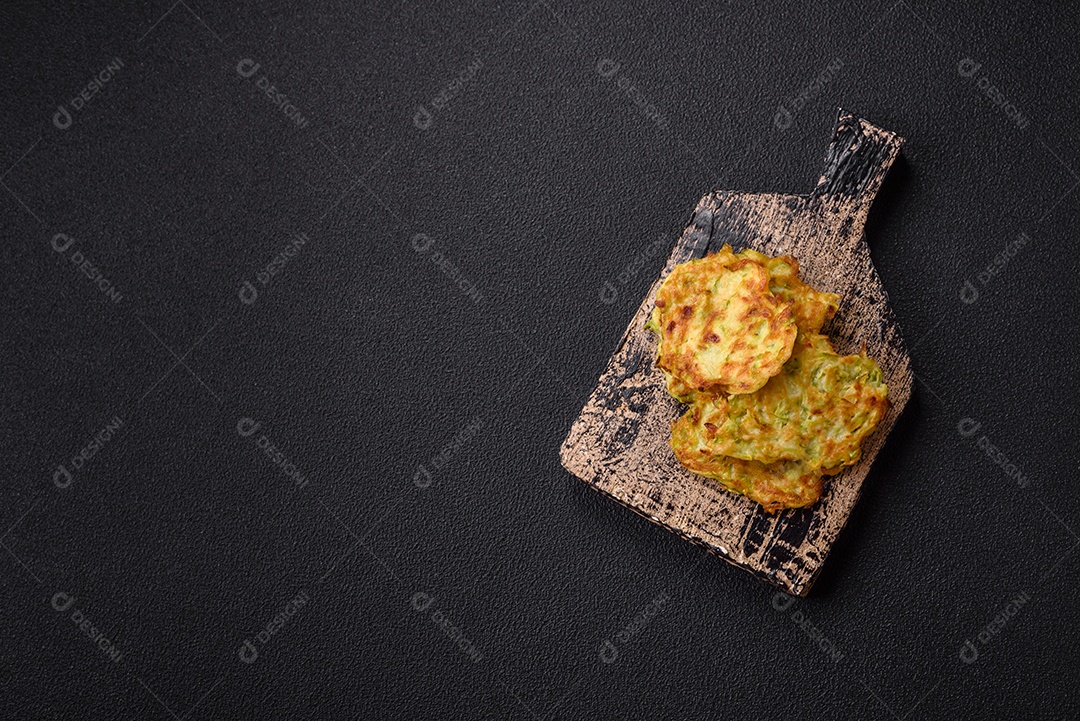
(620, 444)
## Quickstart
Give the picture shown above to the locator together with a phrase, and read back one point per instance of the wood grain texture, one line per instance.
(620, 444)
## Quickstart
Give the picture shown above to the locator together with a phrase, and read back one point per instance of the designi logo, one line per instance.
(247, 426)
(62, 601)
(422, 118)
(783, 119)
(62, 118)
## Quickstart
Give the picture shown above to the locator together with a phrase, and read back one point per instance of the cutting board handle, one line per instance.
(856, 163)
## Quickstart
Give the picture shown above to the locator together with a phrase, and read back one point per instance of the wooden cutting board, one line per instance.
(620, 444)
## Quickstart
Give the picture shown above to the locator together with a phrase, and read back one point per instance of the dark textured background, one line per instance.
(539, 180)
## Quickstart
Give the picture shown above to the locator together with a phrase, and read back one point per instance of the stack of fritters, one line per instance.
(773, 407)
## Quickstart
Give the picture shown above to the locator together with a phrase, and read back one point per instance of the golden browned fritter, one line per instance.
(776, 486)
(720, 327)
(811, 307)
(817, 410)
(774, 443)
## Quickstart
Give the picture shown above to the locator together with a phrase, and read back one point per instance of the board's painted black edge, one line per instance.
(857, 160)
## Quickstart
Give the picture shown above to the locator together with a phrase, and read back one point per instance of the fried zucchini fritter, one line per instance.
(720, 327)
(776, 486)
(817, 410)
(773, 443)
(811, 307)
